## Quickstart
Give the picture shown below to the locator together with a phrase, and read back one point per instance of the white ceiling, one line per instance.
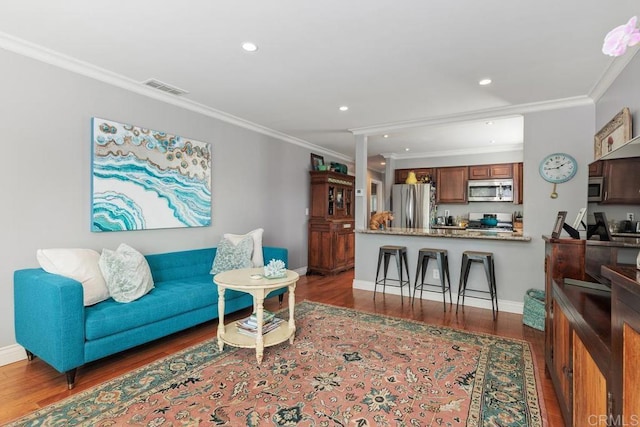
(406, 68)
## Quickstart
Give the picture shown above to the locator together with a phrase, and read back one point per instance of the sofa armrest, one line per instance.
(270, 252)
(49, 317)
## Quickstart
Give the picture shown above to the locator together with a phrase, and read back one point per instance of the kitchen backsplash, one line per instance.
(487, 207)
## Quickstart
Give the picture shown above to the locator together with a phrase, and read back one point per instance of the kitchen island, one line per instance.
(451, 232)
(513, 262)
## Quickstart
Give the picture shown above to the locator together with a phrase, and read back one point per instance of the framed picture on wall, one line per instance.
(614, 134)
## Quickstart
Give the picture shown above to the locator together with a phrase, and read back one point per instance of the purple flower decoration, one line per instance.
(618, 39)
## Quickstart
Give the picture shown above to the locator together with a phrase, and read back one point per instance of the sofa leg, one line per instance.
(71, 378)
(30, 355)
(280, 299)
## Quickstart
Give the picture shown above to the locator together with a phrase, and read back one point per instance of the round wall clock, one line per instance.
(558, 167)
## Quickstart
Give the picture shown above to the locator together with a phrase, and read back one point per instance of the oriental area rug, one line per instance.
(345, 368)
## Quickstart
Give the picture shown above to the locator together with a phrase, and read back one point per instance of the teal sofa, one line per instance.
(52, 323)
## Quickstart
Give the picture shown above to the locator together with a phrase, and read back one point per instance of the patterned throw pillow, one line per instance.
(126, 272)
(231, 257)
(256, 256)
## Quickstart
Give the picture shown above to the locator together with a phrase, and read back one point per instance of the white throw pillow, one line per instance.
(256, 256)
(77, 264)
(126, 272)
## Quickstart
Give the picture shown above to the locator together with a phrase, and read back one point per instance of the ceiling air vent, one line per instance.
(157, 84)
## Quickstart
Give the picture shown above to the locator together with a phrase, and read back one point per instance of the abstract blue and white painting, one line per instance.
(145, 179)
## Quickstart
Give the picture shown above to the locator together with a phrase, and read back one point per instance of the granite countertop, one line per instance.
(456, 233)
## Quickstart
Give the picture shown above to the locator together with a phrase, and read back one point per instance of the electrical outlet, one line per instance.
(630, 216)
(436, 274)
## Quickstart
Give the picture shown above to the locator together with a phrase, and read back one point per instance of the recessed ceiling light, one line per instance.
(344, 108)
(249, 47)
(488, 123)
(406, 149)
(493, 141)
(484, 82)
(383, 163)
(385, 136)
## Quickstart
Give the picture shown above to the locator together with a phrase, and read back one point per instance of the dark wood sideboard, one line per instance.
(592, 332)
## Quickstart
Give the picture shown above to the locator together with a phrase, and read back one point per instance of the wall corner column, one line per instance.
(361, 182)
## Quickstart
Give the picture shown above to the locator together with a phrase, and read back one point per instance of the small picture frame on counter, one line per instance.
(600, 228)
(557, 228)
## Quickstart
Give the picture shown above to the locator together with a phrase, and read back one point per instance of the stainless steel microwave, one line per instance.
(596, 189)
(492, 190)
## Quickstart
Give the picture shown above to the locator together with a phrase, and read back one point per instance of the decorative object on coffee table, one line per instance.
(276, 269)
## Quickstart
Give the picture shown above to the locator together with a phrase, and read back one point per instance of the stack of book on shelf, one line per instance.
(249, 325)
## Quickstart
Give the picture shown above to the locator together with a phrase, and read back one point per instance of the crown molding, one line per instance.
(57, 59)
(489, 113)
(612, 72)
(470, 151)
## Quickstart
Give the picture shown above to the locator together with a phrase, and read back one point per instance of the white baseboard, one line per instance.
(504, 305)
(11, 354)
(302, 271)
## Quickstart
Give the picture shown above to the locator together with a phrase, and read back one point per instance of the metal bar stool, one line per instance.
(400, 254)
(442, 261)
(486, 258)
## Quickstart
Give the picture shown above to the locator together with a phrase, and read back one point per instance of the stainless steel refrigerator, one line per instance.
(412, 205)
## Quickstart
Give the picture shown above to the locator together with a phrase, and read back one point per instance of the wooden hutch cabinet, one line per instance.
(331, 224)
(592, 332)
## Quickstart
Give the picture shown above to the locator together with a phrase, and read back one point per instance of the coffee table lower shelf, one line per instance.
(282, 333)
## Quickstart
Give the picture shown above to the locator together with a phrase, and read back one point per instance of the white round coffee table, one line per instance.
(245, 280)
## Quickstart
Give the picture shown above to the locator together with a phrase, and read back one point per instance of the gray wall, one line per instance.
(257, 181)
(624, 92)
(520, 266)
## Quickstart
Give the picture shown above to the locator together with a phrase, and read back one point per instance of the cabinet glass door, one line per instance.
(340, 199)
(331, 200)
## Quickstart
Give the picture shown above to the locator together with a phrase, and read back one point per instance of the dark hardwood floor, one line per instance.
(28, 386)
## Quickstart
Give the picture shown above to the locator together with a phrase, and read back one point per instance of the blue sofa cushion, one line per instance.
(167, 299)
(181, 265)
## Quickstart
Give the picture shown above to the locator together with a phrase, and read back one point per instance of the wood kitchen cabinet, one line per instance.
(422, 174)
(592, 333)
(564, 258)
(518, 183)
(503, 170)
(595, 168)
(331, 240)
(561, 368)
(451, 184)
(625, 324)
(621, 181)
(582, 352)
(590, 394)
